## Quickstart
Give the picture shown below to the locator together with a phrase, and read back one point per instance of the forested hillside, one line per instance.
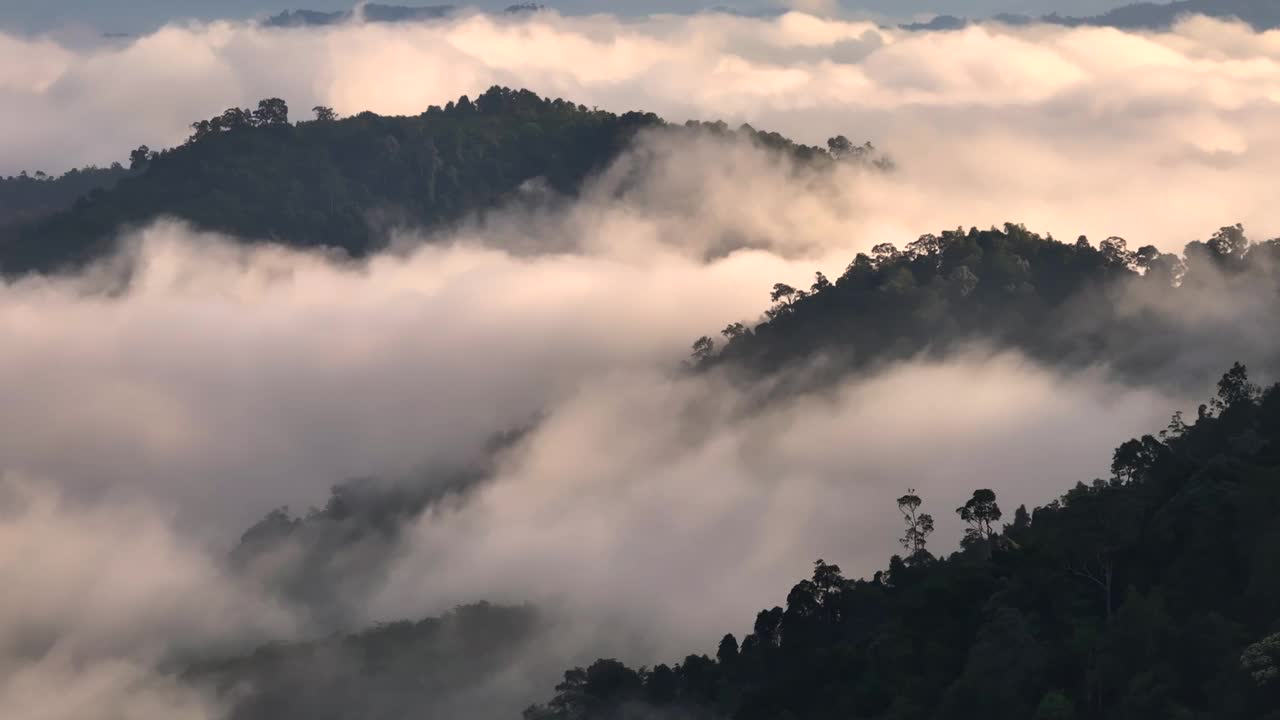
(1149, 315)
(434, 667)
(342, 183)
(1152, 594)
(350, 541)
(28, 196)
(512, 406)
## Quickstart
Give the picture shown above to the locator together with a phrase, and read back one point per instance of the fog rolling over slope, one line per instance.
(1124, 131)
(418, 404)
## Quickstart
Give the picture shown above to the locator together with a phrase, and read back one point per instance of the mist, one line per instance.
(234, 380)
(224, 380)
(159, 403)
(99, 594)
(719, 500)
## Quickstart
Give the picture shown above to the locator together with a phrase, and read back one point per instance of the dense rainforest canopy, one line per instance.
(1149, 595)
(26, 197)
(1154, 593)
(431, 666)
(343, 183)
(1149, 315)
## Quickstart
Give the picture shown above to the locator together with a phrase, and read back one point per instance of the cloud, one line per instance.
(680, 506)
(228, 380)
(98, 595)
(224, 380)
(657, 509)
(1149, 136)
(95, 578)
(55, 688)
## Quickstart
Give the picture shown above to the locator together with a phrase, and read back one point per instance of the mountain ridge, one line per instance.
(342, 183)
(1261, 15)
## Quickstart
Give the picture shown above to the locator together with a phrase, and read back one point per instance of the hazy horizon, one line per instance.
(132, 16)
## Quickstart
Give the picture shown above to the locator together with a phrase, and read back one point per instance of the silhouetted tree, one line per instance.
(703, 348)
(1116, 252)
(919, 525)
(727, 653)
(1234, 388)
(980, 513)
(784, 298)
(839, 146)
(139, 158)
(1134, 458)
(734, 331)
(272, 112)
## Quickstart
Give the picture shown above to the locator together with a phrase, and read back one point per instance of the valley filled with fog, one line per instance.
(501, 407)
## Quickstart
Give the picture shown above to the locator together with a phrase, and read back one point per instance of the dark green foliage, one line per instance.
(603, 690)
(1152, 594)
(392, 671)
(340, 183)
(24, 197)
(1065, 304)
(344, 183)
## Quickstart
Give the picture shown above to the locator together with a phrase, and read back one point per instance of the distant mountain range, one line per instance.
(1259, 14)
(378, 13)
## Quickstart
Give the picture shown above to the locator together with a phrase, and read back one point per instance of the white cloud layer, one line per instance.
(228, 380)
(96, 594)
(678, 507)
(58, 688)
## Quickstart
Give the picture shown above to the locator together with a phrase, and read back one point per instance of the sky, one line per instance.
(140, 15)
